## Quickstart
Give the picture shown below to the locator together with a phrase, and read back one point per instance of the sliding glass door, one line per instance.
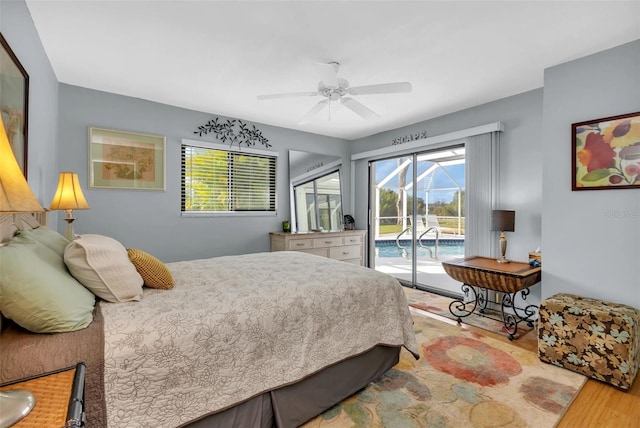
(417, 216)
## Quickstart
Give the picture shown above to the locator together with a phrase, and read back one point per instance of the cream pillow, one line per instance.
(102, 265)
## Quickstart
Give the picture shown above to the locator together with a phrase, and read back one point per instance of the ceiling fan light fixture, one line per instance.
(336, 90)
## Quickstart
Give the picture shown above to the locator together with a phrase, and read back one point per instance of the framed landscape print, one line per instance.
(14, 96)
(606, 153)
(126, 160)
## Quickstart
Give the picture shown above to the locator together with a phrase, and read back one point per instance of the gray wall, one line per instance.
(590, 238)
(150, 220)
(18, 29)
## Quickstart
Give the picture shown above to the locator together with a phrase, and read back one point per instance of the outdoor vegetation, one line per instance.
(447, 212)
(220, 181)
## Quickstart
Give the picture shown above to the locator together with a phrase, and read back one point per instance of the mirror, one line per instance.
(316, 192)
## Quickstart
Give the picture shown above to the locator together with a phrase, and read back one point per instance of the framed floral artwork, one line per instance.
(126, 160)
(606, 153)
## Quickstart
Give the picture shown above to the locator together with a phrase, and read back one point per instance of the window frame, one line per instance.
(229, 149)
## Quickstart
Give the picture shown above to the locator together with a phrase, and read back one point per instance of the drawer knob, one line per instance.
(328, 242)
(345, 252)
(300, 244)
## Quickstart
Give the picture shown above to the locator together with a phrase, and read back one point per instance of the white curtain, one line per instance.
(481, 193)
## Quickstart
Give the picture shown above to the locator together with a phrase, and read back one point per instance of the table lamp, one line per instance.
(15, 197)
(69, 197)
(504, 221)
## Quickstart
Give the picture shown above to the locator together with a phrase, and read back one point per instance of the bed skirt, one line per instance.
(292, 405)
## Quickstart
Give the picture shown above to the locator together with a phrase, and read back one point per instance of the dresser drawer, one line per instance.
(327, 242)
(346, 252)
(352, 240)
(317, 252)
(300, 244)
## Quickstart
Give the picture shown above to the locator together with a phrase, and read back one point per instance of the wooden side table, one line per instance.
(59, 398)
(487, 274)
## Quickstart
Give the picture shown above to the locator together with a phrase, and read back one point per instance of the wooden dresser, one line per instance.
(347, 245)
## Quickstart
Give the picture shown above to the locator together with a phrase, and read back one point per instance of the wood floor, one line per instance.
(598, 405)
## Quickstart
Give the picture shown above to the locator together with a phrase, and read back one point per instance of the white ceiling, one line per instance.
(216, 56)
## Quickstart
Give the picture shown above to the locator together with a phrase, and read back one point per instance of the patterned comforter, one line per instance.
(234, 327)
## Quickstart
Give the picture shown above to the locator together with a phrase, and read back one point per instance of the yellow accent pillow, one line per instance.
(154, 273)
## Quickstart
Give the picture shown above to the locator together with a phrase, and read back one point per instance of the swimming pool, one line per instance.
(446, 248)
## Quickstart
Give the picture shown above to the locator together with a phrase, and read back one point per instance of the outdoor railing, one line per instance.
(388, 225)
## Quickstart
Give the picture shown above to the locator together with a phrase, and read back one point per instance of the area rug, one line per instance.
(439, 305)
(462, 379)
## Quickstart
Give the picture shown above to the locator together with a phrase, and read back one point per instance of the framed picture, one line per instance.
(126, 160)
(605, 153)
(14, 99)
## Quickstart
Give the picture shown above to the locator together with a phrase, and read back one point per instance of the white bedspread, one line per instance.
(237, 326)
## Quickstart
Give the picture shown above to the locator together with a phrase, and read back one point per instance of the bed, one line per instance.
(257, 340)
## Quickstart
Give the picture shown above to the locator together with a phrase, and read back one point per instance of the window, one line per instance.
(216, 180)
(318, 203)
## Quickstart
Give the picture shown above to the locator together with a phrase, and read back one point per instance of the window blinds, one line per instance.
(224, 181)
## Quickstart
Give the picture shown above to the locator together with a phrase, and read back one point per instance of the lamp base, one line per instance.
(503, 249)
(15, 404)
(70, 234)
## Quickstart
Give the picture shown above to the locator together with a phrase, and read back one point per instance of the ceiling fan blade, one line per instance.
(315, 110)
(287, 95)
(328, 74)
(381, 88)
(359, 108)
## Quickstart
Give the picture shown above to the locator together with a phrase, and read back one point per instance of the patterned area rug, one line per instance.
(439, 305)
(462, 379)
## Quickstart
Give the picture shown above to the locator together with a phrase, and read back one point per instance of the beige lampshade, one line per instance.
(15, 194)
(69, 194)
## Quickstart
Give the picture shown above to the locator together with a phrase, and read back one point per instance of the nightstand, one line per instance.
(59, 398)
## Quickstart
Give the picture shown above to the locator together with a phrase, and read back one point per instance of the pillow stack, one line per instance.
(48, 284)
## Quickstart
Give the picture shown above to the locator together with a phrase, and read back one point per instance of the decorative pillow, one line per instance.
(153, 272)
(37, 292)
(102, 265)
(50, 238)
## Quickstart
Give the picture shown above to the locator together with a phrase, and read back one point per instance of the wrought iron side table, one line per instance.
(487, 274)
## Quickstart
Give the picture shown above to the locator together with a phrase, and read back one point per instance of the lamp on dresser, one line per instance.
(69, 197)
(503, 221)
(15, 197)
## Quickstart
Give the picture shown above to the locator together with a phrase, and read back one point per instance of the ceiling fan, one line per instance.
(336, 89)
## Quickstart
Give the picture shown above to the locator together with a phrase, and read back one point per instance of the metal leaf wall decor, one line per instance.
(233, 131)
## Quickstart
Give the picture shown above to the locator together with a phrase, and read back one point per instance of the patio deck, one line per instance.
(429, 270)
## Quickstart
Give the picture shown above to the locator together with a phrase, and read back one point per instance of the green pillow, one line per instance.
(49, 237)
(37, 291)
